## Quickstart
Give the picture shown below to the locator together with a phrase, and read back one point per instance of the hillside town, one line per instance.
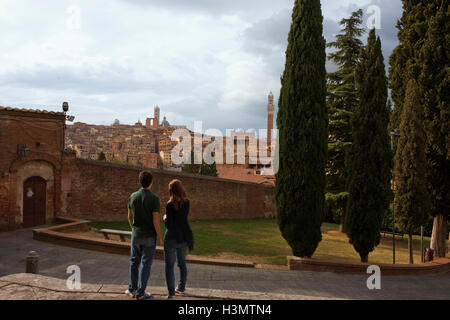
(146, 145)
(150, 145)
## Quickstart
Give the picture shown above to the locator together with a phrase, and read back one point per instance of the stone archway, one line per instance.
(45, 172)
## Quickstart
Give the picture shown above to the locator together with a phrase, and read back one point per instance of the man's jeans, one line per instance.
(172, 251)
(142, 252)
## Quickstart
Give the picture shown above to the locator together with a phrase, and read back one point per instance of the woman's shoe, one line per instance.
(146, 296)
(131, 294)
(177, 290)
(171, 297)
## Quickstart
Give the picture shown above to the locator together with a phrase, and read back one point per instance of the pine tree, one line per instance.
(302, 124)
(412, 202)
(341, 101)
(434, 81)
(370, 156)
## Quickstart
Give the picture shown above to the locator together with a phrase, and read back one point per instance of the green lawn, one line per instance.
(260, 241)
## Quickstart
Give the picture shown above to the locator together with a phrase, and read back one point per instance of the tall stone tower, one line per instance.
(156, 116)
(270, 111)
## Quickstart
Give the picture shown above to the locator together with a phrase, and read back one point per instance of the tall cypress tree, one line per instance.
(370, 156)
(422, 54)
(302, 124)
(403, 62)
(412, 200)
(434, 81)
(341, 101)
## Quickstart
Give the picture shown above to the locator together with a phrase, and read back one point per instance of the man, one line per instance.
(143, 216)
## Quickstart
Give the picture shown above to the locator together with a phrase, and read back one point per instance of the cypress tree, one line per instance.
(434, 81)
(403, 62)
(422, 54)
(411, 194)
(370, 156)
(302, 124)
(341, 101)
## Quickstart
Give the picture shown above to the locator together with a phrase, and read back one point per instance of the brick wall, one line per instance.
(99, 191)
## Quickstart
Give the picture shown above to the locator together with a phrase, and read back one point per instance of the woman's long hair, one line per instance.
(176, 193)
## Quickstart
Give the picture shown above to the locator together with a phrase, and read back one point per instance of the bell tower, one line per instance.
(156, 116)
(270, 112)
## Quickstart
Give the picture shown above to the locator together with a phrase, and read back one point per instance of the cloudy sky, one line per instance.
(209, 60)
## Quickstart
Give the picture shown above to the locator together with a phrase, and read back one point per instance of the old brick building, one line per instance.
(31, 164)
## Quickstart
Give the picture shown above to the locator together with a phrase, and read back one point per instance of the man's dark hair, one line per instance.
(145, 178)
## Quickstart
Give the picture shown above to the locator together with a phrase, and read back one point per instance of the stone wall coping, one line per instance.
(170, 173)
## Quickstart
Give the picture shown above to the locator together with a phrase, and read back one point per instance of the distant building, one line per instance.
(153, 122)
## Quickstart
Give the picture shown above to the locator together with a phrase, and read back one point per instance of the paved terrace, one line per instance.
(109, 269)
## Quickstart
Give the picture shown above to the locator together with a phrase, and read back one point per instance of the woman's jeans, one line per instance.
(142, 253)
(172, 251)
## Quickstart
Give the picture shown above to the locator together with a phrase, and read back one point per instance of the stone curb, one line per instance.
(59, 285)
(438, 266)
(54, 235)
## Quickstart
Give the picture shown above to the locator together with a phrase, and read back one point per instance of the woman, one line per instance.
(178, 236)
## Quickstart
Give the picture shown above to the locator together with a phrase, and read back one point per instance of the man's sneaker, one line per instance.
(178, 290)
(131, 294)
(171, 297)
(146, 296)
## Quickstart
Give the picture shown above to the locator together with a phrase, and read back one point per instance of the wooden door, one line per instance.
(34, 202)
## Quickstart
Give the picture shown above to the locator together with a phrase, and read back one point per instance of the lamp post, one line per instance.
(394, 137)
(422, 258)
(65, 107)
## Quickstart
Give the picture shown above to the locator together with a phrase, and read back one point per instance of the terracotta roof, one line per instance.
(31, 111)
(244, 174)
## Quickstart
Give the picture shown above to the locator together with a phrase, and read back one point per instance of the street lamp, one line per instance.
(25, 151)
(394, 137)
(65, 107)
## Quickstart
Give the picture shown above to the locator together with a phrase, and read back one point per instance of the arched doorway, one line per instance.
(34, 202)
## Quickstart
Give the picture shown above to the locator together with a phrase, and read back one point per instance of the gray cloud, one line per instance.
(199, 60)
(228, 7)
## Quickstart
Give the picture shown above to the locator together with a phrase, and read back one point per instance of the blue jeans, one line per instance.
(172, 251)
(142, 253)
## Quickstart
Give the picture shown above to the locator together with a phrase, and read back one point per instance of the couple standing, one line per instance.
(143, 216)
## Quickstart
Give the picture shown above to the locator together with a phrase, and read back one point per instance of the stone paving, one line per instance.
(25, 286)
(104, 268)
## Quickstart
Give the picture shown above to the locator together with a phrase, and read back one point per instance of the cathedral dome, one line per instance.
(165, 123)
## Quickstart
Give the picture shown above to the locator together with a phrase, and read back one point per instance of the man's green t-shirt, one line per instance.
(142, 204)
